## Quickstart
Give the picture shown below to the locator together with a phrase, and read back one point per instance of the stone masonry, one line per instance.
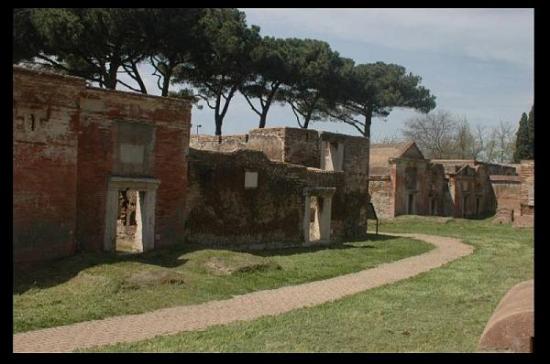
(314, 160)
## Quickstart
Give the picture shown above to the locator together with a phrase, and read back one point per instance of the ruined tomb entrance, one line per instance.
(129, 228)
(410, 204)
(318, 214)
(130, 214)
(464, 205)
(433, 206)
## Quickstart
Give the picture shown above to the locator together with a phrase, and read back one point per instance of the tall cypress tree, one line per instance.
(531, 127)
(522, 139)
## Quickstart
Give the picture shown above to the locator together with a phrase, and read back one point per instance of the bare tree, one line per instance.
(478, 145)
(388, 139)
(433, 133)
(464, 139)
(503, 140)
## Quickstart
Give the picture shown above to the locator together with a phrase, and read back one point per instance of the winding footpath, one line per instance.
(245, 307)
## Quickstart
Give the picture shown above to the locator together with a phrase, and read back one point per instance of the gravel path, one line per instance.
(249, 306)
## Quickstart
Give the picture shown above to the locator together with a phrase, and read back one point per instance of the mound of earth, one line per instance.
(148, 278)
(239, 264)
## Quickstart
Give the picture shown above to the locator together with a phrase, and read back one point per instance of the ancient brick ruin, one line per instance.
(104, 170)
(277, 187)
(75, 147)
(403, 182)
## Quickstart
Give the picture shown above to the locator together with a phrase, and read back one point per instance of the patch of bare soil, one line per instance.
(221, 266)
(150, 278)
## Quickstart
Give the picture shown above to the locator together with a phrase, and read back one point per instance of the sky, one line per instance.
(479, 63)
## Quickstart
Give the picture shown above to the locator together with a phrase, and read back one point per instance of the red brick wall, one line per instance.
(44, 164)
(65, 149)
(101, 110)
(381, 196)
(527, 177)
(171, 169)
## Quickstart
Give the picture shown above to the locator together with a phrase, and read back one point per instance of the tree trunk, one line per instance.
(166, 82)
(308, 118)
(219, 122)
(111, 80)
(263, 118)
(368, 119)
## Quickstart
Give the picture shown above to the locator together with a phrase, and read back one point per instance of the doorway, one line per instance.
(318, 214)
(316, 210)
(433, 207)
(130, 215)
(410, 204)
(129, 229)
(464, 205)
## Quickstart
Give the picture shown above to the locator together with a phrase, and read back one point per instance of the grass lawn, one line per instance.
(443, 310)
(96, 286)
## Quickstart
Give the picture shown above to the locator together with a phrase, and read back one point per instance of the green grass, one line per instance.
(96, 286)
(443, 310)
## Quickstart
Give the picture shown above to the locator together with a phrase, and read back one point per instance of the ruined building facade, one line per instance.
(76, 147)
(403, 182)
(95, 169)
(277, 187)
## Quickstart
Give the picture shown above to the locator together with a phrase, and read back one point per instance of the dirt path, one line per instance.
(239, 308)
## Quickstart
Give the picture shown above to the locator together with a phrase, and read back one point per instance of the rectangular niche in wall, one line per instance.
(250, 179)
(134, 146)
(332, 156)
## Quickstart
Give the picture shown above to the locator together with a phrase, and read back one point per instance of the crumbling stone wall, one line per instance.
(222, 210)
(527, 189)
(507, 192)
(304, 147)
(350, 202)
(68, 141)
(225, 143)
(527, 194)
(381, 196)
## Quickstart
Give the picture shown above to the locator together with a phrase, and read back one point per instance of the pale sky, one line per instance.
(479, 63)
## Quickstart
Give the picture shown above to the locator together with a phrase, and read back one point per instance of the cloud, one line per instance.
(487, 34)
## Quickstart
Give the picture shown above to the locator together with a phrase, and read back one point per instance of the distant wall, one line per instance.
(381, 196)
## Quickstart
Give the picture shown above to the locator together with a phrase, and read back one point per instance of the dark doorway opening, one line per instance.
(410, 204)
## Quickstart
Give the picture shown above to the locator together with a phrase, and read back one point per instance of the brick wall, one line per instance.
(381, 196)
(527, 191)
(270, 141)
(45, 112)
(68, 141)
(103, 112)
(350, 202)
(472, 192)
